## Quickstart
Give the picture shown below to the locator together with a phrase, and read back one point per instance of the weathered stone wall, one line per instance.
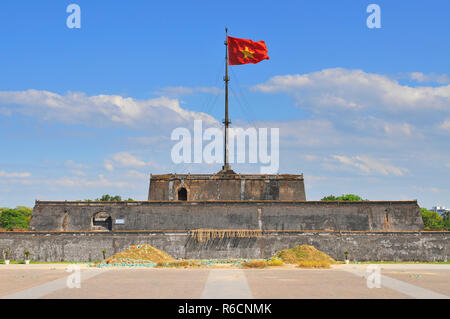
(362, 246)
(264, 215)
(227, 187)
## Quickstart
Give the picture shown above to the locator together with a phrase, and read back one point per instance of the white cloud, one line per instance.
(14, 175)
(78, 172)
(137, 174)
(429, 78)
(108, 165)
(445, 125)
(76, 182)
(310, 157)
(370, 165)
(78, 108)
(428, 189)
(398, 129)
(356, 90)
(128, 160)
(73, 164)
(100, 181)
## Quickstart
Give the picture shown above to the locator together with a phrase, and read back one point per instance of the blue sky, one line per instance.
(90, 111)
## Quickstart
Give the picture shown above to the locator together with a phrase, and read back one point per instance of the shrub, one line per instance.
(432, 220)
(343, 197)
(13, 218)
(275, 262)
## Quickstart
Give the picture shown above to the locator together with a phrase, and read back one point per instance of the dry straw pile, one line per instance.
(140, 254)
(305, 256)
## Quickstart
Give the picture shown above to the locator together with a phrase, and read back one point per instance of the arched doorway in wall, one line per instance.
(182, 194)
(102, 222)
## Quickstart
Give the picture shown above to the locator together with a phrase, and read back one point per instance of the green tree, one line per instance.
(26, 211)
(343, 197)
(446, 218)
(109, 198)
(329, 198)
(432, 220)
(13, 219)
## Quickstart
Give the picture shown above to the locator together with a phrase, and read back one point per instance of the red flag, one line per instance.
(242, 51)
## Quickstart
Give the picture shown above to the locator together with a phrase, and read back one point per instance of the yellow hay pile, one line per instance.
(305, 256)
(204, 235)
(139, 254)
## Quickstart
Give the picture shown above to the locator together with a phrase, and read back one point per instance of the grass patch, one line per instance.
(273, 262)
(178, 264)
(255, 264)
(303, 253)
(313, 264)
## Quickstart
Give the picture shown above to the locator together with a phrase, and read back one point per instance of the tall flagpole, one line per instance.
(226, 166)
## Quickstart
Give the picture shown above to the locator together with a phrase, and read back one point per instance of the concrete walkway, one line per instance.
(342, 281)
(398, 285)
(226, 284)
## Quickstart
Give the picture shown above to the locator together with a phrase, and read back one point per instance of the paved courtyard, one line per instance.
(342, 281)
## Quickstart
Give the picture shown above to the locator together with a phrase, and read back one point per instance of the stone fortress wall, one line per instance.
(254, 215)
(362, 246)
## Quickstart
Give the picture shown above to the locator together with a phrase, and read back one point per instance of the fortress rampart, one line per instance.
(362, 246)
(262, 215)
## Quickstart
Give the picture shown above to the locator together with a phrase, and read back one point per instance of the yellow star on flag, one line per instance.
(247, 53)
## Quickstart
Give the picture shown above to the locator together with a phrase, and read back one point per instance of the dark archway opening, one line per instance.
(182, 194)
(102, 221)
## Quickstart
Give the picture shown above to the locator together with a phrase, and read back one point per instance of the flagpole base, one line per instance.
(226, 169)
